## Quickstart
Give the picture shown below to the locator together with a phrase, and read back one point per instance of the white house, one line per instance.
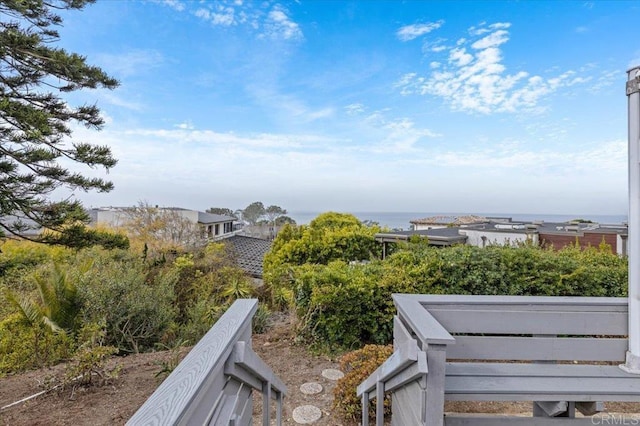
(212, 225)
(502, 234)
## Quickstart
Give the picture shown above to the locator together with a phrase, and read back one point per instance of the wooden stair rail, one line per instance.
(213, 384)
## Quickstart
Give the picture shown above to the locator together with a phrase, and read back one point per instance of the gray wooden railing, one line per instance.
(214, 382)
(554, 351)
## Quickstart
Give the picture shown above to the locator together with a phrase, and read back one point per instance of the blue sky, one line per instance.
(467, 106)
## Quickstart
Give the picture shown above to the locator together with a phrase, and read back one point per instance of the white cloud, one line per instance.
(609, 157)
(354, 109)
(311, 168)
(410, 32)
(203, 13)
(133, 62)
(436, 45)
(279, 25)
(403, 135)
(460, 57)
(219, 15)
(174, 4)
(274, 23)
(319, 114)
(186, 125)
(494, 39)
(477, 80)
(605, 80)
(483, 28)
(119, 101)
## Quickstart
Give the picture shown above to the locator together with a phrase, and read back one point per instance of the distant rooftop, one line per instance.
(439, 236)
(213, 218)
(449, 220)
(249, 253)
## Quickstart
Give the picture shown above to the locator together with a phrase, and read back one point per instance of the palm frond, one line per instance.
(28, 310)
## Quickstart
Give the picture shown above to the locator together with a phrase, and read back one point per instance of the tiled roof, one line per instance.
(249, 253)
(446, 220)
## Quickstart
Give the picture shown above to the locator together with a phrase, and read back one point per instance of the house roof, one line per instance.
(579, 228)
(446, 220)
(438, 236)
(503, 227)
(213, 218)
(249, 253)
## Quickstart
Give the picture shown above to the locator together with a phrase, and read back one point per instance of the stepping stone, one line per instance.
(306, 414)
(332, 374)
(311, 388)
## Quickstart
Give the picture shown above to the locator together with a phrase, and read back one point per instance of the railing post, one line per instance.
(365, 409)
(266, 403)
(279, 409)
(436, 359)
(632, 364)
(380, 404)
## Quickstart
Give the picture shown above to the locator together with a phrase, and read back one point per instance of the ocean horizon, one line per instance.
(400, 220)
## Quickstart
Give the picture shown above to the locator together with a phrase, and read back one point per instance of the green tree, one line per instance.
(274, 212)
(253, 212)
(283, 220)
(329, 237)
(58, 305)
(160, 229)
(36, 120)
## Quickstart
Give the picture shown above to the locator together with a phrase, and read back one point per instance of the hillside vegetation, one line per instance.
(83, 305)
(330, 273)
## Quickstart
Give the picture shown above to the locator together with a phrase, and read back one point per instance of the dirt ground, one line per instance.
(114, 403)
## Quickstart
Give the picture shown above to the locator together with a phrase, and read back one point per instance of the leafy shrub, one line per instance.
(201, 315)
(338, 307)
(136, 312)
(261, 319)
(23, 346)
(344, 306)
(89, 360)
(358, 366)
(329, 237)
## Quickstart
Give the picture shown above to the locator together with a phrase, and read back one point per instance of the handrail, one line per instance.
(421, 322)
(193, 392)
(405, 365)
(397, 362)
(246, 366)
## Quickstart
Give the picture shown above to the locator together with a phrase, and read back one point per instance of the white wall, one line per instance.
(424, 227)
(474, 237)
(112, 218)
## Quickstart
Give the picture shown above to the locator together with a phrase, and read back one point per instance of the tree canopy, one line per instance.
(257, 214)
(36, 120)
(253, 212)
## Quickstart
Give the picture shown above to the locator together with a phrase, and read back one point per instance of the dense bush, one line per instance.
(24, 345)
(358, 366)
(329, 237)
(48, 295)
(136, 312)
(343, 306)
